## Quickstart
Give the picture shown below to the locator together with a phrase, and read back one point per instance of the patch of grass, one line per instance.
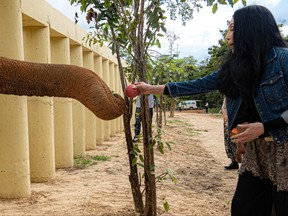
(191, 132)
(187, 124)
(178, 121)
(175, 121)
(83, 162)
(227, 202)
(100, 158)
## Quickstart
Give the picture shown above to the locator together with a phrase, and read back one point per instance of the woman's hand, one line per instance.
(145, 88)
(250, 131)
(142, 87)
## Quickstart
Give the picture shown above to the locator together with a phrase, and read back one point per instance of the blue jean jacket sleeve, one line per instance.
(193, 87)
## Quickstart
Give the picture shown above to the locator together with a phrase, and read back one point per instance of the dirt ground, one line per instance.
(204, 188)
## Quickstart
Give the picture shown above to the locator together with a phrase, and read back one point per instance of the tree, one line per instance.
(132, 27)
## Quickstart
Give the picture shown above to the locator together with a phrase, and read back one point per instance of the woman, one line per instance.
(254, 79)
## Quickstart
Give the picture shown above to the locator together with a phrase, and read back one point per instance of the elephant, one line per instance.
(59, 80)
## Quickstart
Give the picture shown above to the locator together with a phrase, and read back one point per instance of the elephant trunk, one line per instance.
(57, 80)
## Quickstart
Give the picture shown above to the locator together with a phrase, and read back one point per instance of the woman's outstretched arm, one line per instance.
(145, 88)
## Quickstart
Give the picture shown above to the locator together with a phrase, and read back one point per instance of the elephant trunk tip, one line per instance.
(116, 109)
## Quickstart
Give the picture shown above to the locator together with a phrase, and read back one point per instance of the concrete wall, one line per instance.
(40, 134)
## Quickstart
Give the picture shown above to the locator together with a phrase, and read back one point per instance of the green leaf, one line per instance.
(172, 142)
(210, 2)
(140, 164)
(153, 143)
(134, 152)
(161, 148)
(141, 158)
(215, 8)
(129, 48)
(107, 3)
(136, 148)
(223, 2)
(168, 145)
(166, 206)
(175, 180)
(149, 77)
(108, 13)
(163, 28)
(134, 162)
(157, 42)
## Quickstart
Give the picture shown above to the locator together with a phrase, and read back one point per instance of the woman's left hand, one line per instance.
(250, 131)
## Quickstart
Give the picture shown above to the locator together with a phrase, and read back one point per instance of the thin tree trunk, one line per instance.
(150, 208)
(157, 112)
(160, 112)
(150, 184)
(172, 108)
(164, 109)
(133, 176)
(159, 124)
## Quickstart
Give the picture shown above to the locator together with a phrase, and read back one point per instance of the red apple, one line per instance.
(131, 92)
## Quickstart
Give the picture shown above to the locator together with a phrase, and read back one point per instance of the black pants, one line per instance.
(258, 197)
(137, 124)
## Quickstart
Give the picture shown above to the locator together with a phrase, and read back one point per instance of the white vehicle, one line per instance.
(191, 104)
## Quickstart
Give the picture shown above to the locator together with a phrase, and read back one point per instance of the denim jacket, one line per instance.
(271, 97)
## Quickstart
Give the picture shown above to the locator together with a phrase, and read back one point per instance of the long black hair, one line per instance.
(255, 33)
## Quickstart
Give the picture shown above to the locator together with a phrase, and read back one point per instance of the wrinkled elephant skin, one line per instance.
(59, 80)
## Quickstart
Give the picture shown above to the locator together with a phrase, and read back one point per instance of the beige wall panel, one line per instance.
(122, 94)
(13, 33)
(78, 110)
(90, 119)
(117, 90)
(37, 44)
(112, 86)
(105, 77)
(40, 110)
(98, 121)
(60, 54)
(41, 139)
(14, 149)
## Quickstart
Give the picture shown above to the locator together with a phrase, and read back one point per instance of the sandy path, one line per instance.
(211, 135)
(204, 188)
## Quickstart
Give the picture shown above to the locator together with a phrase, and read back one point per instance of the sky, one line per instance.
(201, 32)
